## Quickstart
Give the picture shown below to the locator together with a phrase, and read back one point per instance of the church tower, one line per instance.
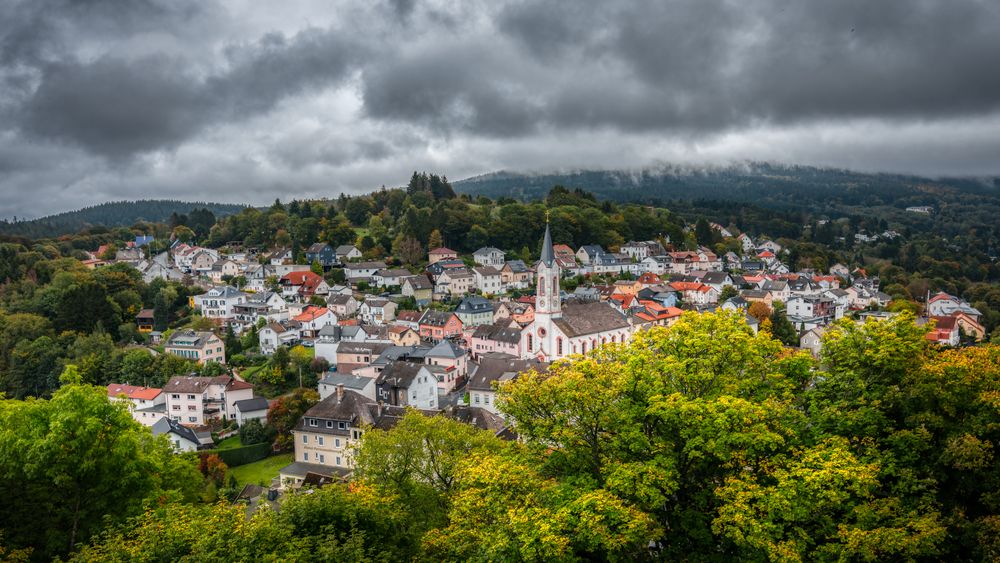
(547, 301)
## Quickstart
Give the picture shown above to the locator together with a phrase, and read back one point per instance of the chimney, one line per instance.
(340, 392)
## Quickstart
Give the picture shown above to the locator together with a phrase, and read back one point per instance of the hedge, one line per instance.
(242, 455)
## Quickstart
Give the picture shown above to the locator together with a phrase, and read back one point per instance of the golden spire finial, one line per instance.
(547, 215)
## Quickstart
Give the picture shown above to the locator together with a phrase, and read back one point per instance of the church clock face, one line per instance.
(541, 303)
(541, 331)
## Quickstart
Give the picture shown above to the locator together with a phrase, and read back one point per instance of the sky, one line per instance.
(246, 100)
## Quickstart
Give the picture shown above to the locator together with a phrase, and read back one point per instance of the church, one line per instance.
(561, 330)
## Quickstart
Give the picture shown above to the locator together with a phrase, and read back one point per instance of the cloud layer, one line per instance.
(235, 100)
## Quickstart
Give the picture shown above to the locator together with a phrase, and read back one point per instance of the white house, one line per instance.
(251, 409)
(488, 280)
(182, 438)
(411, 384)
(217, 303)
(347, 252)
(377, 310)
(277, 334)
(147, 404)
(194, 400)
(489, 256)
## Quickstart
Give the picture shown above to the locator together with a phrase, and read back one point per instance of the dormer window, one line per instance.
(341, 425)
(329, 424)
(313, 422)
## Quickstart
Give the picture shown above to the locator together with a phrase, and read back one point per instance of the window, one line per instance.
(322, 458)
(475, 398)
(175, 396)
(192, 408)
(341, 425)
(320, 440)
(305, 439)
(338, 460)
(355, 434)
(305, 456)
(336, 442)
(175, 407)
(559, 346)
(313, 422)
(190, 397)
(192, 419)
(486, 399)
(329, 424)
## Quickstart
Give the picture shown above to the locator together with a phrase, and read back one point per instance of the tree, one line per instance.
(76, 461)
(781, 327)
(435, 241)
(253, 432)
(407, 249)
(285, 412)
(759, 310)
(727, 293)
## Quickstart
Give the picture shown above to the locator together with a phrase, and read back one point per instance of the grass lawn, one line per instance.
(229, 443)
(261, 471)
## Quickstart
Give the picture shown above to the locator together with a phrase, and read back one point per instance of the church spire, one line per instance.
(548, 255)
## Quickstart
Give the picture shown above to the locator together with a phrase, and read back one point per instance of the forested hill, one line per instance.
(771, 185)
(111, 214)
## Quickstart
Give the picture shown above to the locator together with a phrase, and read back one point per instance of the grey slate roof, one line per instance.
(250, 405)
(579, 319)
(446, 349)
(167, 425)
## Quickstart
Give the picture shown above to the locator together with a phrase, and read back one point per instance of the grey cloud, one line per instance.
(119, 107)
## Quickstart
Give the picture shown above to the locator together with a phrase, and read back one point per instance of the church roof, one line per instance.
(580, 319)
(548, 255)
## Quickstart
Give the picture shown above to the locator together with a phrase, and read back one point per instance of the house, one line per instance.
(198, 346)
(409, 318)
(347, 252)
(439, 324)
(376, 310)
(639, 251)
(488, 280)
(408, 384)
(419, 287)
(182, 438)
(812, 340)
(696, 293)
(251, 409)
(267, 305)
(327, 434)
(144, 320)
(969, 325)
(756, 295)
(390, 277)
(129, 255)
(778, 289)
(322, 253)
(302, 285)
(945, 330)
(194, 400)
(499, 337)
(146, 404)
(203, 260)
(275, 334)
(453, 359)
(746, 243)
(565, 257)
(840, 270)
(280, 256)
(489, 256)
(436, 269)
(588, 253)
(806, 312)
(343, 305)
(515, 275)
(362, 271)
(442, 253)
(474, 311)
(627, 287)
(217, 303)
(223, 270)
(402, 335)
(257, 276)
(658, 265)
(455, 282)
(314, 318)
(769, 246)
(357, 383)
(352, 355)
(495, 370)
(943, 305)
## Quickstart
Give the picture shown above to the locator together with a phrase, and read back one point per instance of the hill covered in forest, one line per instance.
(770, 185)
(111, 214)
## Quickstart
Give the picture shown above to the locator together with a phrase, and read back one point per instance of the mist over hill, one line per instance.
(771, 185)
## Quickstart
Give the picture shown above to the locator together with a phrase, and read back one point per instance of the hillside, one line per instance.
(111, 214)
(775, 186)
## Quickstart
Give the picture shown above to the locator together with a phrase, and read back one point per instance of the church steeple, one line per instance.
(548, 255)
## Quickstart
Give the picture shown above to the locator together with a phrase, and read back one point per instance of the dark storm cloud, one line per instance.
(237, 94)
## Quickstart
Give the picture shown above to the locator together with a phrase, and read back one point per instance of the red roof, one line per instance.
(687, 286)
(311, 313)
(766, 254)
(649, 278)
(940, 297)
(442, 251)
(407, 315)
(133, 391)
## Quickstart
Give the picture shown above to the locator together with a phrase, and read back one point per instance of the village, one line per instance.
(442, 339)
